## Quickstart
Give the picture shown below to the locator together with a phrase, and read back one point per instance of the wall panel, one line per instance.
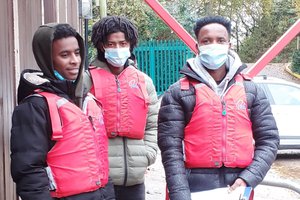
(30, 18)
(18, 21)
(7, 96)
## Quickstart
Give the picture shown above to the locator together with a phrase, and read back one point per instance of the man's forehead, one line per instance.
(214, 26)
(213, 29)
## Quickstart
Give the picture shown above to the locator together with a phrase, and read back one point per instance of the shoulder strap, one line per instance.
(246, 76)
(142, 83)
(184, 83)
(54, 115)
(96, 81)
(239, 78)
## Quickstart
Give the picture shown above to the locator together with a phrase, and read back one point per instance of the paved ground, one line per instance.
(278, 70)
(285, 168)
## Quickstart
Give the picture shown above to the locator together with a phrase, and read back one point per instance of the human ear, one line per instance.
(197, 47)
(101, 47)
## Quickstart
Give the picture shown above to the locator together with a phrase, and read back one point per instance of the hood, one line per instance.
(32, 80)
(194, 69)
(42, 50)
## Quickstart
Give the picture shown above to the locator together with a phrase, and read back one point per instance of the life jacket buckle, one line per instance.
(113, 134)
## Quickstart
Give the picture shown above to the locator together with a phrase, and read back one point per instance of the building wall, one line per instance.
(18, 21)
(7, 97)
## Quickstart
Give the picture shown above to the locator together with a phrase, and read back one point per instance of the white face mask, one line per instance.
(117, 57)
(213, 56)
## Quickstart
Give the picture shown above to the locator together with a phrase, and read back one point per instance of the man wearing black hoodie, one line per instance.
(59, 146)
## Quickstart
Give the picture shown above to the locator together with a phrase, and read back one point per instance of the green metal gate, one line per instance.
(162, 60)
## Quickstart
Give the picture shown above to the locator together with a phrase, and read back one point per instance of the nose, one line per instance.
(75, 58)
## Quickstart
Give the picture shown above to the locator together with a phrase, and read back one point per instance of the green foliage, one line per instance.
(149, 25)
(296, 62)
(268, 30)
(91, 54)
(259, 41)
(256, 25)
(286, 54)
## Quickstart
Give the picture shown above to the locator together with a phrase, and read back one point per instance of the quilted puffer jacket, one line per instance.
(129, 158)
(175, 112)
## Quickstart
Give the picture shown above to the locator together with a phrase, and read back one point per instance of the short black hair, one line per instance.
(212, 19)
(64, 31)
(113, 24)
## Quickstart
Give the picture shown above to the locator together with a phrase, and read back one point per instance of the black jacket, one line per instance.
(176, 109)
(31, 124)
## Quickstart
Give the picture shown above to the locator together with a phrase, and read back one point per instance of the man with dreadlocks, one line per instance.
(129, 102)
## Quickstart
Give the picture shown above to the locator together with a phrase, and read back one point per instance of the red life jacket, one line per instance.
(124, 99)
(220, 131)
(79, 158)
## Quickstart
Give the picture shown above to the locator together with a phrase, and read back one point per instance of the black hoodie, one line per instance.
(31, 124)
(31, 79)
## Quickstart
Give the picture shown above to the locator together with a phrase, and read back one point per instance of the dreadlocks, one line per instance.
(109, 25)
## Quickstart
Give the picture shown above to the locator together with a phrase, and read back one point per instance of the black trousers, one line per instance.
(105, 193)
(135, 192)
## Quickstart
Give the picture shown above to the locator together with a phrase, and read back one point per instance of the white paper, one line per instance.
(219, 194)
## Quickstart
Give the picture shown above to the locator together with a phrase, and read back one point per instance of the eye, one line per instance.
(222, 41)
(205, 42)
(124, 44)
(64, 55)
(77, 53)
(110, 45)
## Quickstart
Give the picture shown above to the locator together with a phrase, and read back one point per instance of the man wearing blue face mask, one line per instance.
(215, 126)
(59, 145)
(129, 102)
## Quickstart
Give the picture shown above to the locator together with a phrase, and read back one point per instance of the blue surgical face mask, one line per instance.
(213, 56)
(117, 57)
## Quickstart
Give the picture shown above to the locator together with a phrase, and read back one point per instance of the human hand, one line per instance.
(238, 183)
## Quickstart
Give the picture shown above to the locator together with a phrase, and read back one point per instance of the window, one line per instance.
(285, 94)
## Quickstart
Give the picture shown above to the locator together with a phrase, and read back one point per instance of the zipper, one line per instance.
(224, 120)
(92, 122)
(118, 103)
(118, 125)
(118, 84)
(125, 160)
(224, 128)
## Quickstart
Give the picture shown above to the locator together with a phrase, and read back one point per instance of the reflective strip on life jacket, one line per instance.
(54, 116)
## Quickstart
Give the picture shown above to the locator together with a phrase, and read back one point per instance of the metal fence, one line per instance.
(162, 60)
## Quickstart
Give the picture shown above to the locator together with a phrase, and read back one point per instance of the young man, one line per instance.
(215, 126)
(59, 146)
(129, 102)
